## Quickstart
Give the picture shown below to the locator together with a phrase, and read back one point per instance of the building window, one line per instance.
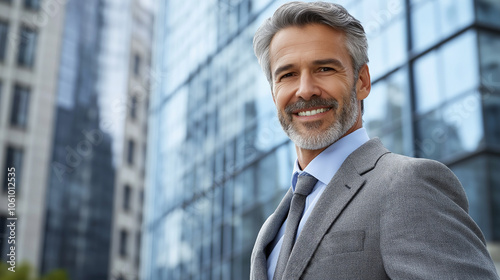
(133, 107)
(141, 198)
(1, 90)
(487, 12)
(130, 154)
(4, 31)
(144, 158)
(137, 64)
(127, 192)
(3, 238)
(27, 44)
(13, 159)
(123, 243)
(138, 248)
(32, 4)
(20, 105)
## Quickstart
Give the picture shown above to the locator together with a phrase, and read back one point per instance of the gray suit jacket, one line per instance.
(383, 216)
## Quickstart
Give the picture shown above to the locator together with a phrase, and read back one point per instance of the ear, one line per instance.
(363, 84)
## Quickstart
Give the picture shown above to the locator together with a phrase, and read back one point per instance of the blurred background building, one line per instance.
(131, 171)
(218, 162)
(78, 93)
(73, 109)
(30, 47)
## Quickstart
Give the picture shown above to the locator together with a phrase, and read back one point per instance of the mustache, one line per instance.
(313, 102)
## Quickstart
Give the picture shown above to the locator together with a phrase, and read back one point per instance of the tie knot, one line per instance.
(305, 184)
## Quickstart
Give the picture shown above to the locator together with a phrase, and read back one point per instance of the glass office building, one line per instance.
(79, 203)
(219, 162)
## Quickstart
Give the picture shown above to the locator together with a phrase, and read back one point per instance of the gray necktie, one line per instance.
(305, 185)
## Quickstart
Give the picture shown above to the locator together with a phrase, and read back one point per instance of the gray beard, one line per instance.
(315, 141)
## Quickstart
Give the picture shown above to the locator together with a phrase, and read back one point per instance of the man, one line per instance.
(370, 214)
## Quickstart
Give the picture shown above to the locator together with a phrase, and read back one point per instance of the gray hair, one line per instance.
(301, 14)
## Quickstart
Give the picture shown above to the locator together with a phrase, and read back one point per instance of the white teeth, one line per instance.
(313, 112)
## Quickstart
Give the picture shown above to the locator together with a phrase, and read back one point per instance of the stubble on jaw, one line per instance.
(342, 123)
(313, 125)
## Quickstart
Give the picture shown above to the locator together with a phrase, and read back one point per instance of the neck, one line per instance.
(306, 156)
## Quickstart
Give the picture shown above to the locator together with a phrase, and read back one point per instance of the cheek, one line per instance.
(280, 98)
(340, 92)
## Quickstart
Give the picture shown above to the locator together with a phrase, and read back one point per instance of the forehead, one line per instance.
(312, 41)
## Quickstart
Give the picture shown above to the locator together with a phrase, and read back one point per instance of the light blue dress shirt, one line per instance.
(323, 167)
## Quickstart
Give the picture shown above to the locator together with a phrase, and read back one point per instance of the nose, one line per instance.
(307, 87)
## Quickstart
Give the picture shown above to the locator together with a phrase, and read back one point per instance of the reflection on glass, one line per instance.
(285, 161)
(218, 128)
(459, 59)
(376, 55)
(489, 44)
(454, 15)
(267, 178)
(395, 39)
(427, 82)
(447, 72)
(491, 117)
(384, 106)
(244, 188)
(388, 48)
(4, 31)
(251, 225)
(434, 20)
(494, 182)
(435, 138)
(424, 25)
(453, 130)
(487, 11)
(472, 174)
(393, 140)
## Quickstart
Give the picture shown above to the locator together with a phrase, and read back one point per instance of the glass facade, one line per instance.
(32, 4)
(219, 162)
(79, 204)
(4, 31)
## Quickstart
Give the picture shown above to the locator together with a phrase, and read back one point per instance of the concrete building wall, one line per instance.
(131, 175)
(35, 138)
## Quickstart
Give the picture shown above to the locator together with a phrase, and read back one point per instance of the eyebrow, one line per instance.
(333, 61)
(282, 69)
(318, 62)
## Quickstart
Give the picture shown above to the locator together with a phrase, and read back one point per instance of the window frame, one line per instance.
(122, 247)
(33, 5)
(26, 54)
(4, 41)
(20, 106)
(127, 194)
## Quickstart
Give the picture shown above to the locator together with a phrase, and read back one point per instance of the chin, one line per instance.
(318, 140)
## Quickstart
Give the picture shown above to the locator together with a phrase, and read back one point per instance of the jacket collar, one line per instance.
(339, 192)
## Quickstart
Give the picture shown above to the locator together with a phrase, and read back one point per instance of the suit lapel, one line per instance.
(338, 194)
(266, 235)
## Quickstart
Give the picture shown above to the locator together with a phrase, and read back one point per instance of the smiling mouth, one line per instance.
(313, 112)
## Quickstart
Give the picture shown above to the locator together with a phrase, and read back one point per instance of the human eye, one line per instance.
(326, 69)
(286, 76)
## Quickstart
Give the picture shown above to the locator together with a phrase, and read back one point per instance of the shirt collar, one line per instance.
(324, 166)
